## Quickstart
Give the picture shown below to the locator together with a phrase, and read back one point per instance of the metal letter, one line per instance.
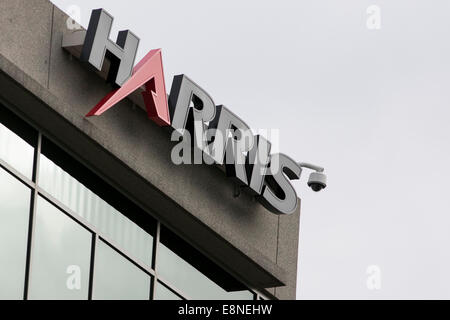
(148, 71)
(184, 91)
(257, 161)
(97, 44)
(226, 122)
(279, 195)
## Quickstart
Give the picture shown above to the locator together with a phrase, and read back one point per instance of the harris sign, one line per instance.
(213, 131)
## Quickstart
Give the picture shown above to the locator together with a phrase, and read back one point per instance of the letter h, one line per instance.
(97, 46)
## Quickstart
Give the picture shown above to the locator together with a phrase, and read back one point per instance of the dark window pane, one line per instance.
(162, 293)
(116, 278)
(193, 274)
(61, 256)
(85, 199)
(14, 214)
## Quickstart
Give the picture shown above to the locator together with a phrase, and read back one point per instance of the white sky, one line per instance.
(372, 106)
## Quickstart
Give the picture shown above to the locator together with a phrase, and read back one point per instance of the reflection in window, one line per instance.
(188, 279)
(109, 222)
(162, 293)
(16, 152)
(116, 278)
(61, 256)
(14, 213)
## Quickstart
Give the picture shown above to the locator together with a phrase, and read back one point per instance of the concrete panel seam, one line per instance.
(50, 48)
(276, 254)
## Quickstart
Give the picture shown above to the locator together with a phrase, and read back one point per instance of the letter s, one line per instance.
(278, 194)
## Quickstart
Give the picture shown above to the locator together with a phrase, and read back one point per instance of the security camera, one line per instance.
(317, 179)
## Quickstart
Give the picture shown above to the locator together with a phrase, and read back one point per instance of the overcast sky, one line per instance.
(370, 105)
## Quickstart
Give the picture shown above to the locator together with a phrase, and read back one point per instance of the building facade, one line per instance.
(94, 208)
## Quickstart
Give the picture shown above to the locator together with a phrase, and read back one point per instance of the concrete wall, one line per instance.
(133, 154)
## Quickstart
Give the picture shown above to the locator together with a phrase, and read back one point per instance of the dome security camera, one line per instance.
(317, 179)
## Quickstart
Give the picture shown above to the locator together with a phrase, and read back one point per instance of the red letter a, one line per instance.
(148, 72)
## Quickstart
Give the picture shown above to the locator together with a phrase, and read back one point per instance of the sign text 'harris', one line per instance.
(221, 136)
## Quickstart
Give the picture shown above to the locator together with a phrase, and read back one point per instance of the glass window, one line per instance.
(162, 293)
(16, 152)
(108, 222)
(173, 267)
(116, 278)
(61, 256)
(14, 214)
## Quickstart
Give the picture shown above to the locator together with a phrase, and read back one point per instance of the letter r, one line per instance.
(97, 45)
